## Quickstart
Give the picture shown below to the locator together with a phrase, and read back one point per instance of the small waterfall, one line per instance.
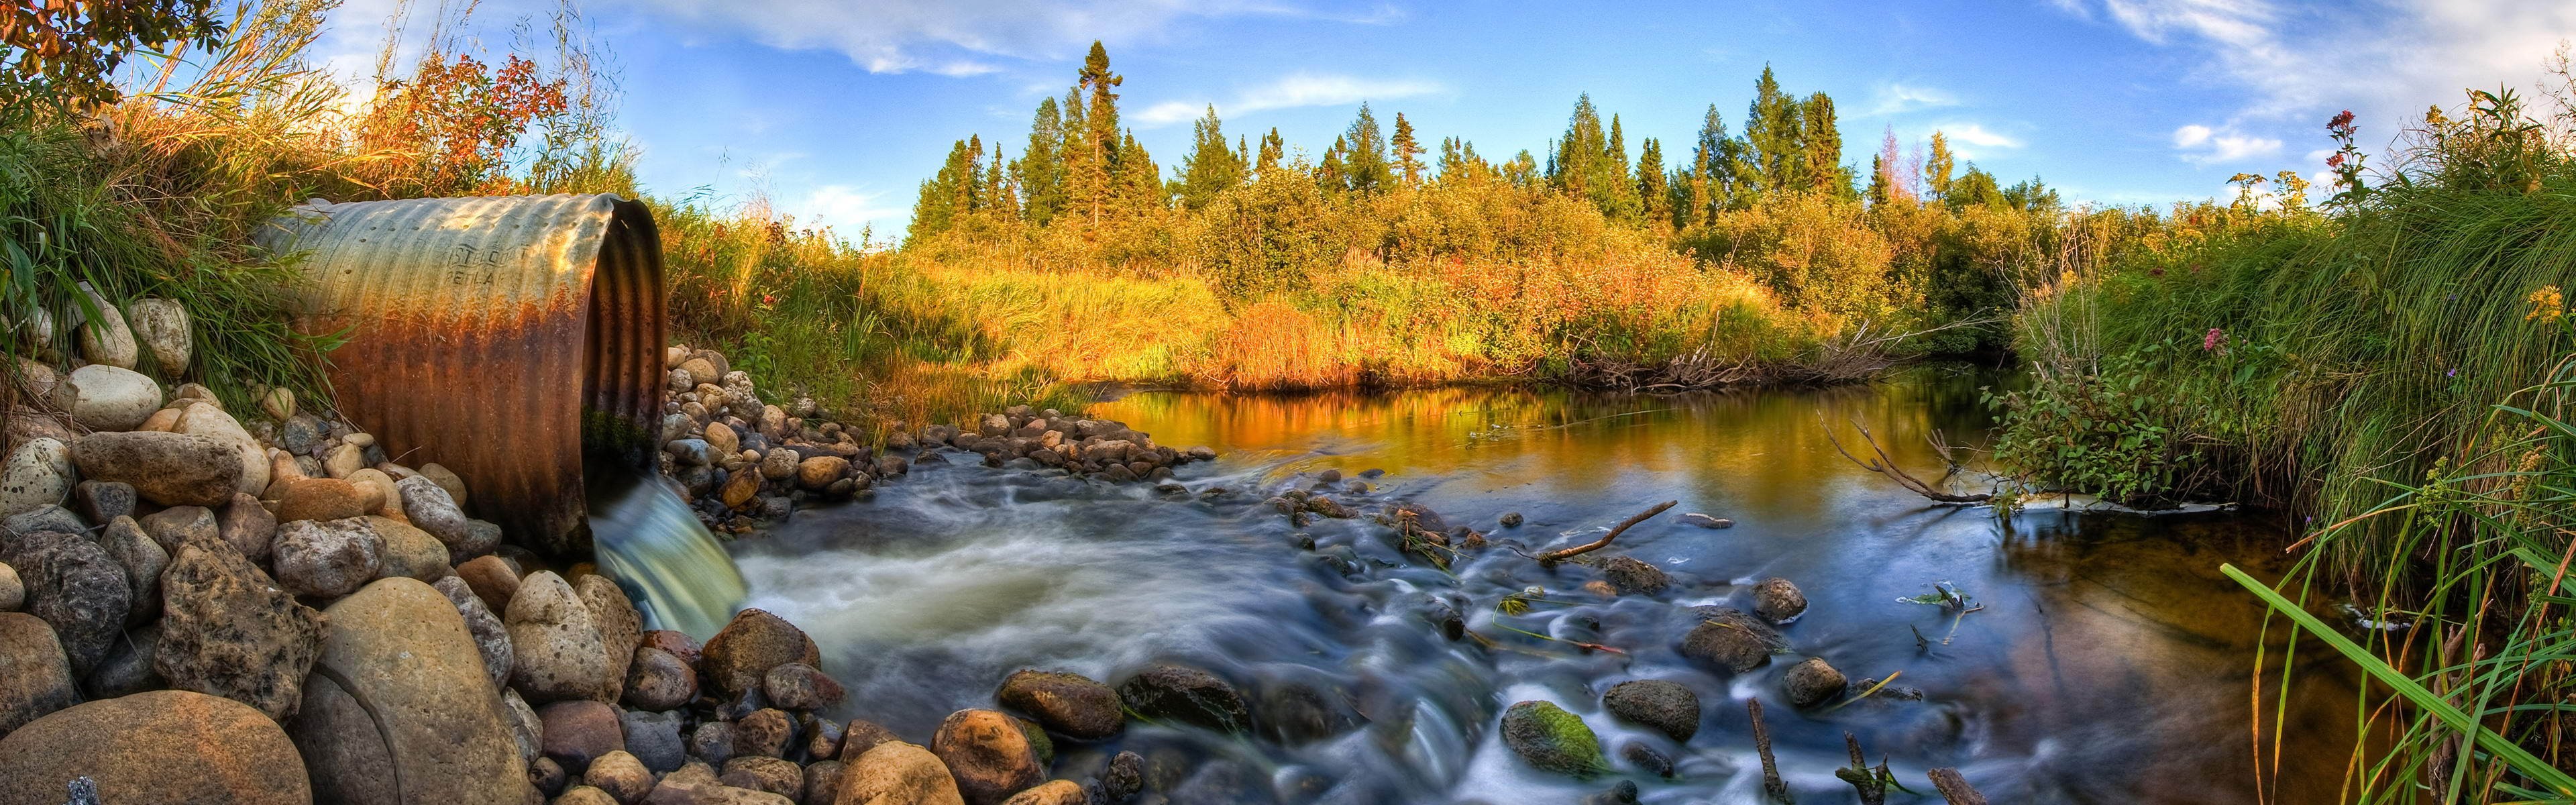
(653, 546)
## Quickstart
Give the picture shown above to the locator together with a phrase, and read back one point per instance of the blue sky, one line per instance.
(834, 111)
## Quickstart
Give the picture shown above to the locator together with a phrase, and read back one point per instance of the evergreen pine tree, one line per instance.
(1712, 170)
(1272, 148)
(1824, 146)
(1139, 191)
(1772, 133)
(1408, 152)
(1571, 168)
(1040, 169)
(946, 195)
(1364, 155)
(1000, 195)
(1091, 187)
(1614, 190)
(1332, 175)
(1654, 189)
(1212, 166)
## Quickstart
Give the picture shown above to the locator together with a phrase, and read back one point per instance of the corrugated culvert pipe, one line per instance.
(518, 341)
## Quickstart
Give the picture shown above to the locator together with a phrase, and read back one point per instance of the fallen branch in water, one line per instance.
(1886, 465)
(1954, 788)
(1553, 557)
(1762, 743)
(1891, 677)
(1871, 783)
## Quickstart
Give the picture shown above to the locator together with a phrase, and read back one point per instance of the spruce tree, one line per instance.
(1212, 166)
(1040, 168)
(1654, 189)
(1823, 156)
(1613, 189)
(1085, 178)
(1364, 155)
(1332, 175)
(1572, 168)
(1408, 152)
(1092, 188)
(1712, 170)
(947, 195)
(1272, 148)
(1139, 189)
(1772, 138)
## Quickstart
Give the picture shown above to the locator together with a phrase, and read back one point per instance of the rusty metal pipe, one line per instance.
(502, 337)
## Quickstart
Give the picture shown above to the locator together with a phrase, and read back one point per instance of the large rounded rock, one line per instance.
(1552, 739)
(400, 709)
(621, 628)
(721, 441)
(98, 501)
(654, 738)
(162, 327)
(228, 630)
(989, 755)
(428, 505)
(492, 579)
(143, 560)
(107, 398)
(1730, 640)
(327, 559)
(1778, 601)
(1812, 682)
(797, 686)
(37, 474)
(580, 731)
(1071, 705)
(898, 773)
(206, 419)
(1665, 706)
(180, 525)
(320, 499)
(76, 588)
(104, 336)
(409, 552)
(560, 654)
(1632, 576)
(248, 526)
(171, 469)
(738, 658)
(165, 747)
(621, 776)
(1054, 792)
(765, 733)
(770, 774)
(1187, 695)
(819, 472)
(491, 637)
(656, 680)
(35, 677)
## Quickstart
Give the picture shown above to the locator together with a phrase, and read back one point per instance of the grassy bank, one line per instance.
(2393, 367)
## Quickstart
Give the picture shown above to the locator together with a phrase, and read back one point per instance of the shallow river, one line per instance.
(2110, 662)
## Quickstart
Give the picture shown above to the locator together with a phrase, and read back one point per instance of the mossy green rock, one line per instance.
(1552, 739)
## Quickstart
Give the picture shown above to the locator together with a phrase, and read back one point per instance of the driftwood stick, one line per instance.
(1771, 784)
(1885, 465)
(1872, 784)
(1553, 557)
(1954, 788)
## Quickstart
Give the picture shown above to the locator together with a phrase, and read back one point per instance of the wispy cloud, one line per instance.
(1292, 91)
(974, 37)
(2202, 145)
(1977, 135)
(847, 207)
(1893, 98)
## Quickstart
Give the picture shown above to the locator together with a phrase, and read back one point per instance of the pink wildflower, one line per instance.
(2215, 339)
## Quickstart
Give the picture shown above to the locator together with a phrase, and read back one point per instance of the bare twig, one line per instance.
(1885, 465)
(1771, 784)
(1872, 784)
(1553, 557)
(1954, 788)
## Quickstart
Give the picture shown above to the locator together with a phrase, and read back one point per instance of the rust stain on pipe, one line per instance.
(501, 337)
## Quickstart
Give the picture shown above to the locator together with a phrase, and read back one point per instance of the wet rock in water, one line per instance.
(1187, 695)
(248, 526)
(143, 560)
(656, 680)
(738, 658)
(1730, 640)
(580, 731)
(1052, 792)
(491, 636)
(38, 473)
(765, 733)
(1329, 508)
(1812, 682)
(171, 469)
(409, 552)
(1124, 778)
(128, 667)
(1646, 758)
(988, 754)
(1511, 520)
(712, 741)
(797, 686)
(1552, 739)
(1778, 601)
(492, 579)
(654, 738)
(165, 746)
(898, 773)
(823, 783)
(327, 559)
(1668, 707)
(35, 676)
(181, 525)
(96, 501)
(1705, 521)
(107, 398)
(1623, 792)
(560, 653)
(1630, 575)
(227, 629)
(1071, 705)
(619, 775)
(75, 588)
(1296, 714)
(400, 708)
(861, 735)
(781, 777)
(621, 628)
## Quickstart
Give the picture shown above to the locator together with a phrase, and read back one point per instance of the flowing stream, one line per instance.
(646, 538)
(2110, 661)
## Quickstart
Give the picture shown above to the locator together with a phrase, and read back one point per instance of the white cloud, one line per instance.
(1893, 98)
(847, 208)
(2203, 145)
(1977, 135)
(2385, 60)
(1291, 91)
(965, 37)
